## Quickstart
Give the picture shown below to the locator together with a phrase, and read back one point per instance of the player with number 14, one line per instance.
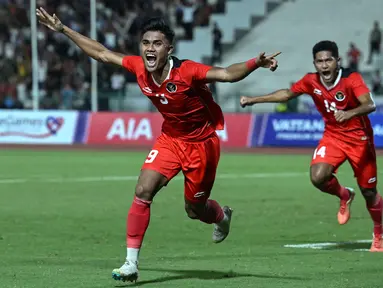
(344, 102)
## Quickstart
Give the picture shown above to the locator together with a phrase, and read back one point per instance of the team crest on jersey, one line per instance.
(340, 96)
(171, 87)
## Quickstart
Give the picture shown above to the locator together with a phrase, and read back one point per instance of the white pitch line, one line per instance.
(134, 178)
(13, 181)
(325, 245)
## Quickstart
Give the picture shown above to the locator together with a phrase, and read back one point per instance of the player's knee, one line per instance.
(192, 215)
(192, 211)
(144, 192)
(369, 194)
(319, 177)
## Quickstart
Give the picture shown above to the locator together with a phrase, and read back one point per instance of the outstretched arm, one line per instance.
(279, 96)
(239, 71)
(91, 47)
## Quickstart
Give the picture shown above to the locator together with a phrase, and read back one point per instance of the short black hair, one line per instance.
(158, 24)
(326, 45)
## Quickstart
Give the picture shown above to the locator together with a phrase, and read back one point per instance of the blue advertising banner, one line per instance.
(298, 130)
(377, 125)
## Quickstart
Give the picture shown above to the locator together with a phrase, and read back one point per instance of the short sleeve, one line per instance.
(131, 63)
(358, 85)
(302, 86)
(196, 71)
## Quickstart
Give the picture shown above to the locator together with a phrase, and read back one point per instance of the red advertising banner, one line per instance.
(142, 129)
(237, 130)
(124, 128)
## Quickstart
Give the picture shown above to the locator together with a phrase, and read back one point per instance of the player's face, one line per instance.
(327, 66)
(155, 50)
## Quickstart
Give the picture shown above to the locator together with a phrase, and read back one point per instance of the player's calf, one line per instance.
(211, 212)
(208, 212)
(149, 183)
(322, 177)
(374, 204)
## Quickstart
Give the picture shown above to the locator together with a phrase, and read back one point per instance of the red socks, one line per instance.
(334, 188)
(139, 216)
(137, 222)
(375, 211)
(213, 213)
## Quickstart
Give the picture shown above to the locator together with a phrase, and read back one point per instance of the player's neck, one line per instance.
(160, 75)
(332, 82)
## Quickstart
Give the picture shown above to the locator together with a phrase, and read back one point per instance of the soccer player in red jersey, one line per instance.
(188, 142)
(344, 101)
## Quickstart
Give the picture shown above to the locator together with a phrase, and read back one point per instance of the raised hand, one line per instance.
(268, 61)
(245, 101)
(52, 22)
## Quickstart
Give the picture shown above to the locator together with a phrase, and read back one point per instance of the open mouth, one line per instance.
(326, 75)
(151, 59)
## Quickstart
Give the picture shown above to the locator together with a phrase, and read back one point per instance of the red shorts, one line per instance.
(361, 155)
(197, 160)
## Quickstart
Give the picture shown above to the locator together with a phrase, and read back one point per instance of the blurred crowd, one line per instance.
(355, 56)
(63, 70)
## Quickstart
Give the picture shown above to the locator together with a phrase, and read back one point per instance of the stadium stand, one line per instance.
(209, 31)
(282, 31)
(64, 72)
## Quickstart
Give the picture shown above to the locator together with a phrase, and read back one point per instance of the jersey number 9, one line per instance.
(163, 98)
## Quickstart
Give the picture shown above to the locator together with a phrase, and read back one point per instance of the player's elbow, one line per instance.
(284, 98)
(286, 95)
(229, 77)
(372, 108)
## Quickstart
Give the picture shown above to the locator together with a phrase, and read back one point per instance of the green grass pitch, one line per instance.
(62, 225)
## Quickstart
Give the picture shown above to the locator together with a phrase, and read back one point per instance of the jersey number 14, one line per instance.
(330, 107)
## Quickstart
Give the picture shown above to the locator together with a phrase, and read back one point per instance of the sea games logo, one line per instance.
(30, 127)
(54, 124)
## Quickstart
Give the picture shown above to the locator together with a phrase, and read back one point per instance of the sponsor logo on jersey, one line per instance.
(147, 90)
(317, 91)
(340, 96)
(372, 180)
(171, 87)
(199, 194)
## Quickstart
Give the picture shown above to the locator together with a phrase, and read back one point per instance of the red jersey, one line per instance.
(183, 99)
(343, 95)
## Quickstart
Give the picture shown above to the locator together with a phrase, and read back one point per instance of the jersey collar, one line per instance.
(168, 76)
(337, 80)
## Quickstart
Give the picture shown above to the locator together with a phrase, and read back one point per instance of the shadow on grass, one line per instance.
(203, 275)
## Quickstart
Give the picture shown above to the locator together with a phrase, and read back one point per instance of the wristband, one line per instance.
(252, 64)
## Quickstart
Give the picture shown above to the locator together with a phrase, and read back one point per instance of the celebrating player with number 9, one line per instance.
(344, 101)
(188, 143)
